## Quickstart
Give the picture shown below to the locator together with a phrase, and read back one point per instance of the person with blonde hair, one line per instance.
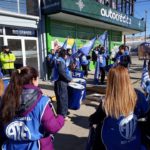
(118, 114)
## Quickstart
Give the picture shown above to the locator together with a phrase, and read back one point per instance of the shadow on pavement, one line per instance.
(81, 121)
(68, 142)
(47, 87)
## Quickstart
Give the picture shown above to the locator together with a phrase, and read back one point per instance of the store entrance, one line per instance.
(25, 50)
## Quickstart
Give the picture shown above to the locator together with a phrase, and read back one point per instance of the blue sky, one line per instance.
(140, 7)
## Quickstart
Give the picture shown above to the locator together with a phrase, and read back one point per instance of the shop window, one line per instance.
(31, 53)
(116, 38)
(29, 7)
(113, 5)
(15, 47)
(84, 35)
(119, 5)
(1, 43)
(9, 5)
(128, 8)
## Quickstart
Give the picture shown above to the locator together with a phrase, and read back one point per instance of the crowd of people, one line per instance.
(28, 119)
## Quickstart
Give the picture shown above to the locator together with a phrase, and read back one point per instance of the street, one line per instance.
(73, 135)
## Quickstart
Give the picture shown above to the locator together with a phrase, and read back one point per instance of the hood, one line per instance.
(29, 98)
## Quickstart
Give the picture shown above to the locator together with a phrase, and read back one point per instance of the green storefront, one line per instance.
(81, 20)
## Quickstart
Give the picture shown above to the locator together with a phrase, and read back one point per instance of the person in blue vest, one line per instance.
(70, 61)
(145, 84)
(102, 63)
(84, 63)
(27, 118)
(50, 61)
(122, 57)
(118, 114)
(61, 84)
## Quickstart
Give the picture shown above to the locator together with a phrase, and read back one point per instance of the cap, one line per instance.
(5, 47)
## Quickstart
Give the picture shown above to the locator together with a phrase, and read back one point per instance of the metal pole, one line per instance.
(145, 23)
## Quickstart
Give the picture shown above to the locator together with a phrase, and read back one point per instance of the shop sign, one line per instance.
(21, 32)
(51, 4)
(115, 16)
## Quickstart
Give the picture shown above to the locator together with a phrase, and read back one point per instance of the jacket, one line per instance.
(31, 129)
(7, 60)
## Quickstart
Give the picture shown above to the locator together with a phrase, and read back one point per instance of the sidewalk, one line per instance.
(73, 135)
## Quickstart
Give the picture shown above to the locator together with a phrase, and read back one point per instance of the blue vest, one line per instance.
(102, 60)
(124, 131)
(55, 74)
(84, 60)
(24, 132)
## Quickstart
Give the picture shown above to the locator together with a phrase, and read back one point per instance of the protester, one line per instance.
(94, 55)
(7, 59)
(27, 116)
(84, 64)
(61, 84)
(102, 63)
(145, 84)
(119, 112)
(50, 62)
(122, 57)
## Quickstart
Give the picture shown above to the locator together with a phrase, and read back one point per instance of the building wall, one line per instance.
(60, 31)
(19, 22)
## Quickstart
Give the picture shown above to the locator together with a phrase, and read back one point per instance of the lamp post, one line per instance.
(145, 23)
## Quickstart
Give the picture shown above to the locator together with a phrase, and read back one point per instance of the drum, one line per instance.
(78, 74)
(82, 82)
(75, 95)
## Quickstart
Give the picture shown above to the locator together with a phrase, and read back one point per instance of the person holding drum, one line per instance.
(61, 84)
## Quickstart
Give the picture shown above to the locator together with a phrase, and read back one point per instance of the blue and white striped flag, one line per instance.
(145, 79)
(103, 38)
(74, 48)
(87, 47)
(65, 44)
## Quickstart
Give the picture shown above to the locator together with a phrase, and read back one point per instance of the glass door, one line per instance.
(15, 46)
(31, 53)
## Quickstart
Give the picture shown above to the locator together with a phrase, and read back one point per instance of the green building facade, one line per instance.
(81, 20)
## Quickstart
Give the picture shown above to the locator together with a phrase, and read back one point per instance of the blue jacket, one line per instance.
(27, 131)
(125, 131)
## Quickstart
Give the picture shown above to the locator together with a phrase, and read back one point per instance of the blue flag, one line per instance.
(103, 38)
(87, 47)
(65, 45)
(74, 48)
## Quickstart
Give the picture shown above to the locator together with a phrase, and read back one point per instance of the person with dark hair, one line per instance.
(50, 62)
(7, 59)
(94, 55)
(27, 116)
(122, 57)
(84, 63)
(102, 63)
(61, 84)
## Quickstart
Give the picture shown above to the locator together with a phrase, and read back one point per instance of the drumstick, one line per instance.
(53, 109)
